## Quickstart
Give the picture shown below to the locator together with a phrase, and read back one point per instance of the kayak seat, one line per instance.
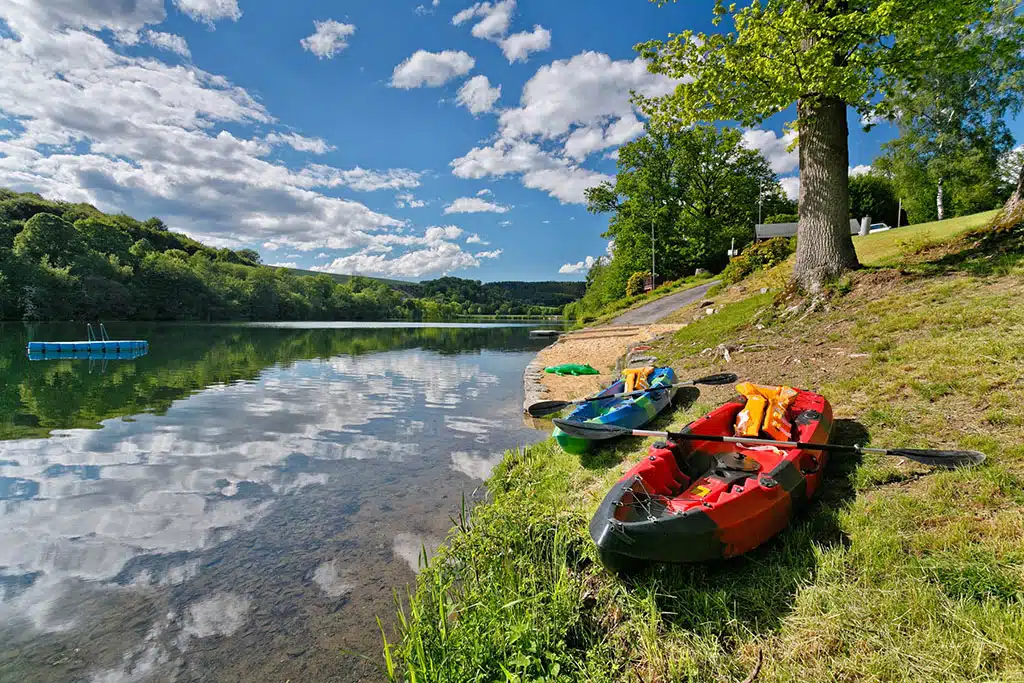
(660, 473)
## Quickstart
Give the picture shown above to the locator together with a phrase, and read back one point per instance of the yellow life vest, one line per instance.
(636, 378)
(765, 410)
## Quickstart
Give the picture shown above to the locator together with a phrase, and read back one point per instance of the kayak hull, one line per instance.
(699, 501)
(623, 412)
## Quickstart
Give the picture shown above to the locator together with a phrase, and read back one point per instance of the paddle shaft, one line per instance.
(688, 436)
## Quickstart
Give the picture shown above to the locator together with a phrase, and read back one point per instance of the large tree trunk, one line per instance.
(940, 210)
(824, 247)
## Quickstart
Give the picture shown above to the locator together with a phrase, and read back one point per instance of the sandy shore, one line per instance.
(600, 347)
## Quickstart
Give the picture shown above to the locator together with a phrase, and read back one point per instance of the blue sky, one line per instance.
(368, 138)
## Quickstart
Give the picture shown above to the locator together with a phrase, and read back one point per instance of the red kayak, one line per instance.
(696, 501)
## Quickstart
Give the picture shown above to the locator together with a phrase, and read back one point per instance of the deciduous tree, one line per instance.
(698, 188)
(822, 55)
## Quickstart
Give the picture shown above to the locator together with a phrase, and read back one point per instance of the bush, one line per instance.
(758, 256)
(782, 218)
(635, 286)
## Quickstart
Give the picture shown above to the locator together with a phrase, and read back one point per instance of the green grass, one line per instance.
(712, 330)
(895, 573)
(885, 247)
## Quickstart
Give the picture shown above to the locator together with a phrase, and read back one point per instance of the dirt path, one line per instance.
(656, 310)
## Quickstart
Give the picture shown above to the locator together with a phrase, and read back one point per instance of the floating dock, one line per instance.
(104, 347)
(100, 347)
(88, 355)
(544, 333)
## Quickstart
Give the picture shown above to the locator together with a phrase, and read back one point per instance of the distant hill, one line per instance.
(67, 261)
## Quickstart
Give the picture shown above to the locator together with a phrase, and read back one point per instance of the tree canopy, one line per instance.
(698, 188)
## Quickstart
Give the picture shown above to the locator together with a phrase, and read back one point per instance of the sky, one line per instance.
(397, 138)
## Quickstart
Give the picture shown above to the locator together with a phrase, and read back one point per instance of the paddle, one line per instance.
(935, 458)
(547, 407)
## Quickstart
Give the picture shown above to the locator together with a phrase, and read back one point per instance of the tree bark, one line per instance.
(824, 245)
(939, 209)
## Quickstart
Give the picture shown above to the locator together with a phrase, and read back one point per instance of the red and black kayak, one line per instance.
(696, 501)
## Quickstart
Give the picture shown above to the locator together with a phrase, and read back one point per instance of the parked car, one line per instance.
(878, 227)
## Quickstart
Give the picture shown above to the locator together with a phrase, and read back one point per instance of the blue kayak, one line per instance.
(632, 412)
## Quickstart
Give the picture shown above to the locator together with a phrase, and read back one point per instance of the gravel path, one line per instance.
(656, 310)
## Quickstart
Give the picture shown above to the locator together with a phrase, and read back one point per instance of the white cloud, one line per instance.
(474, 205)
(431, 69)
(504, 224)
(27, 16)
(484, 192)
(584, 141)
(424, 10)
(476, 239)
(286, 264)
(168, 41)
(329, 38)
(568, 110)
(540, 170)
(860, 170)
(361, 179)
(408, 200)
(494, 18)
(774, 148)
(209, 11)
(300, 143)
(589, 89)
(580, 267)
(441, 258)
(488, 254)
(478, 96)
(518, 46)
(791, 186)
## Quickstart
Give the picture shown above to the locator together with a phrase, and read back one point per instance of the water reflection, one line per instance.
(262, 493)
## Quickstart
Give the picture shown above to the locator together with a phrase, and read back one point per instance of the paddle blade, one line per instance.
(948, 459)
(591, 431)
(543, 408)
(721, 378)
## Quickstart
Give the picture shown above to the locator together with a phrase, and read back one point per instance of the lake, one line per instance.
(241, 503)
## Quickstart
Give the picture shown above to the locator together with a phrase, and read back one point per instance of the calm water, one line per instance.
(239, 504)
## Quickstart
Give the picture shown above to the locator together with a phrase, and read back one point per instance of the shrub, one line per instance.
(758, 256)
(635, 285)
(782, 218)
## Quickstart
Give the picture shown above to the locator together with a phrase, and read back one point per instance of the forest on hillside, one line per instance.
(68, 261)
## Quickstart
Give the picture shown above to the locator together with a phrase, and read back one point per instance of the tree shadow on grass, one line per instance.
(609, 454)
(983, 252)
(754, 592)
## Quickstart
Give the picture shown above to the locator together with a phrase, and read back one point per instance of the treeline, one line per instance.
(501, 298)
(68, 261)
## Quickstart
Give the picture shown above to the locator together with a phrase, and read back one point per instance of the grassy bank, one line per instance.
(895, 573)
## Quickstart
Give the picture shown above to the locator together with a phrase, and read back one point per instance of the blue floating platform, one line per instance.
(88, 355)
(94, 346)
